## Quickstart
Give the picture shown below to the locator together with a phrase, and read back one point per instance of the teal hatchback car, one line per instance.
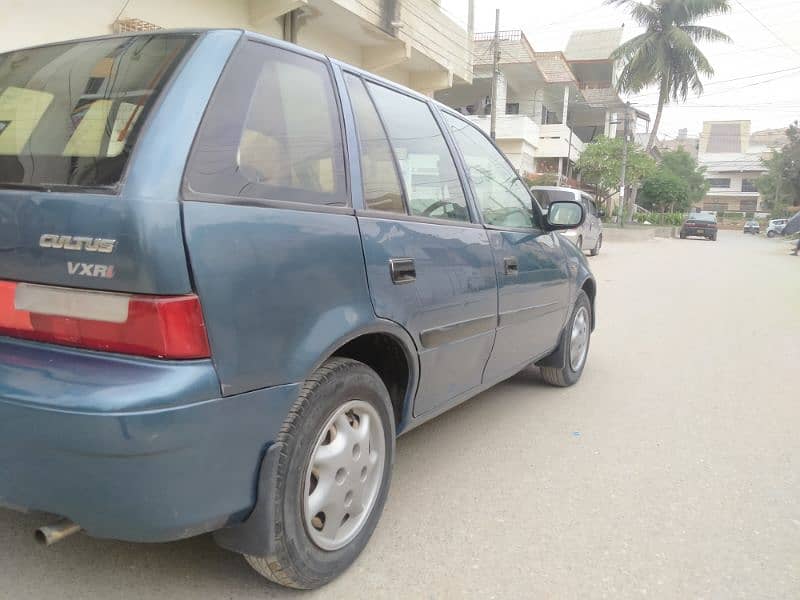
(233, 271)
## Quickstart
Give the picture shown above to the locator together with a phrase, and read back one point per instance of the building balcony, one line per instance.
(416, 43)
(557, 141)
(511, 127)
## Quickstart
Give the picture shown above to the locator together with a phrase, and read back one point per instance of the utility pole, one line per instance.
(569, 148)
(624, 166)
(776, 204)
(495, 68)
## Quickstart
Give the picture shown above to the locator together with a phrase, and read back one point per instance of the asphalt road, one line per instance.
(672, 470)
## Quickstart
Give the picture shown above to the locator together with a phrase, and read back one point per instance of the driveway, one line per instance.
(672, 470)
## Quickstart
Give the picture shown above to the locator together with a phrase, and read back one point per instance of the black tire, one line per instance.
(771, 234)
(563, 375)
(596, 250)
(683, 236)
(713, 238)
(579, 243)
(298, 562)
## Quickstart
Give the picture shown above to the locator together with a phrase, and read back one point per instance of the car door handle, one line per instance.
(511, 265)
(403, 270)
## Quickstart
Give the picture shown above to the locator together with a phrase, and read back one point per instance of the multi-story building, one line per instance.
(685, 142)
(549, 104)
(733, 158)
(413, 42)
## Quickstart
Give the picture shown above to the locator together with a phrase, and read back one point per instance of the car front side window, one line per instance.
(502, 198)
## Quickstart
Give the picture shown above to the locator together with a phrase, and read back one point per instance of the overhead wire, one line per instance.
(768, 28)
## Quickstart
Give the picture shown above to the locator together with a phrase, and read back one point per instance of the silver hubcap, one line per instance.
(579, 342)
(344, 475)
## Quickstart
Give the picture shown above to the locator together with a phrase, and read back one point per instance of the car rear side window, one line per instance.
(271, 132)
(70, 113)
(382, 190)
(430, 176)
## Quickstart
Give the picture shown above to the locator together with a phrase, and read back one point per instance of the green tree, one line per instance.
(664, 191)
(683, 165)
(666, 54)
(600, 165)
(780, 185)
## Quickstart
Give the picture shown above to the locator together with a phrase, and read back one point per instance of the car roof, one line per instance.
(562, 188)
(254, 35)
(127, 34)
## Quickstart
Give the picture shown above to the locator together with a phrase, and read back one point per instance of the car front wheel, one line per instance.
(570, 356)
(333, 477)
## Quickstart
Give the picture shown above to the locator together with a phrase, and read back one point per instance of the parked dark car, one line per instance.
(752, 227)
(233, 271)
(700, 225)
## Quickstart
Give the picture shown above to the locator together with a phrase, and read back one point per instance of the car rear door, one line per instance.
(591, 226)
(273, 241)
(533, 284)
(429, 265)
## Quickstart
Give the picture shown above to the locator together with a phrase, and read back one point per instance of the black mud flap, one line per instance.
(558, 357)
(255, 535)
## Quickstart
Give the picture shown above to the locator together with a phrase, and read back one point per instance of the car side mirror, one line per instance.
(565, 214)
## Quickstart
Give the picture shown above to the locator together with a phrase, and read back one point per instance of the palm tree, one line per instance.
(666, 54)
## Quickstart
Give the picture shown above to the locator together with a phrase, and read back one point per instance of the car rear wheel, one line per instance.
(596, 250)
(333, 477)
(771, 234)
(579, 243)
(574, 346)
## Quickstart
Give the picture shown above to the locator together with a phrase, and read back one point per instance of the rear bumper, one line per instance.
(699, 231)
(130, 449)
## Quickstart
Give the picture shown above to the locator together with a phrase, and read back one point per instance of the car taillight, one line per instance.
(155, 326)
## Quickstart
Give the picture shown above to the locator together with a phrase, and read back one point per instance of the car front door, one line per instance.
(533, 285)
(429, 265)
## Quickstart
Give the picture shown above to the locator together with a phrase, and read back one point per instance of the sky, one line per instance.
(765, 40)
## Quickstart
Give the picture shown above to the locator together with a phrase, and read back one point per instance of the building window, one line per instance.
(512, 108)
(748, 185)
(720, 182)
(748, 205)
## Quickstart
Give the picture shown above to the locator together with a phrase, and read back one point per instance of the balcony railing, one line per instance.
(511, 127)
(511, 35)
(559, 141)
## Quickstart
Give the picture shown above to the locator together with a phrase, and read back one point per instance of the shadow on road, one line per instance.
(81, 566)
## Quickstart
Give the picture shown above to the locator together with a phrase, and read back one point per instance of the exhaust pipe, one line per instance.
(51, 534)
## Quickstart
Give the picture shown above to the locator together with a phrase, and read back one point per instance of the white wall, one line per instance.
(28, 22)
(317, 38)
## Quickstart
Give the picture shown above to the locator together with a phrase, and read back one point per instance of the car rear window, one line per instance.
(546, 197)
(70, 113)
(703, 217)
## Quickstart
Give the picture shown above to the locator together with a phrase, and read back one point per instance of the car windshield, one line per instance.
(545, 197)
(69, 113)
